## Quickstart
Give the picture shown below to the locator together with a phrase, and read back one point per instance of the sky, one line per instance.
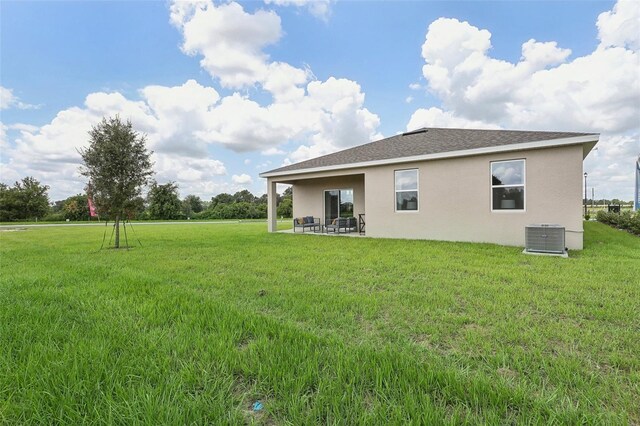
(226, 90)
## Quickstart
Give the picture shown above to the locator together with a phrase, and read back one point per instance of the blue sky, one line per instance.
(371, 55)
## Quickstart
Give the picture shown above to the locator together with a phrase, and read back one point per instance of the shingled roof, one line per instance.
(424, 142)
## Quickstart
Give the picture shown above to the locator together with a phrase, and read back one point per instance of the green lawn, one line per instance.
(206, 319)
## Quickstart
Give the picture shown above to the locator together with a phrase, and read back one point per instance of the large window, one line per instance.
(406, 190)
(338, 203)
(507, 185)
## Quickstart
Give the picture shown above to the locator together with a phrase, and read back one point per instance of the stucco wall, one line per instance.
(455, 197)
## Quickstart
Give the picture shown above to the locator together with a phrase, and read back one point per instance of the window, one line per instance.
(507, 185)
(406, 190)
(338, 203)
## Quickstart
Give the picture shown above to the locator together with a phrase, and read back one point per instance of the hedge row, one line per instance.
(628, 221)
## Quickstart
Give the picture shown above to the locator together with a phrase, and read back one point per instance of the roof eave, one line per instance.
(589, 141)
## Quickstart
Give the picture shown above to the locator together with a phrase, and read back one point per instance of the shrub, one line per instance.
(205, 214)
(54, 217)
(634, 224)
(587, 216)
(627, 220)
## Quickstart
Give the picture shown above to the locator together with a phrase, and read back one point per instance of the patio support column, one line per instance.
(272, 199)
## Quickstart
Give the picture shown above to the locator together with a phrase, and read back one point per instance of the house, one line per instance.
(446, 184)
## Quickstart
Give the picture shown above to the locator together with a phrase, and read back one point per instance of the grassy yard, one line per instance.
(206, 319)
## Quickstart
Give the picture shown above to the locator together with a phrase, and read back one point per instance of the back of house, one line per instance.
(447, 184)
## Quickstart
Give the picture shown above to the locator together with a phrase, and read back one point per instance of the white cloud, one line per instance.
(598, 91)
(194, 176)
(273, 151)
(435, 117)
(408, 99)
(545, 90)
(4, 143)
(318, 8)
(323, 115)
(611, 166)
(342, 121)
(6, 98)
(264, 165)
(243, 179)
(23, 127)
(181, 112)
(9, 100)
(229, 39)
(619, 27)
(283, 81)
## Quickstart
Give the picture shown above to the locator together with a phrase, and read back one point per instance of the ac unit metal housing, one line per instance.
(545, 238)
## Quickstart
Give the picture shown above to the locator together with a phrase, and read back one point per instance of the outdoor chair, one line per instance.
(307, 222)
(341, 224)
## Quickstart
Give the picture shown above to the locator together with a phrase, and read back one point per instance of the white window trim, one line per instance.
(523, 185)
(395, 191)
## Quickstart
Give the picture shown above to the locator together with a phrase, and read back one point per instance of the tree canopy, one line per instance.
(76, 207)
(192, 204)
(118, 166)
(164, 202)
(26, 199)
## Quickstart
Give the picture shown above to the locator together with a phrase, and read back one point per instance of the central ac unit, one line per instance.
(544, 238)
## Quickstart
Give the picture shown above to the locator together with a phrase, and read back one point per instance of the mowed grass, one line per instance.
(203, 320)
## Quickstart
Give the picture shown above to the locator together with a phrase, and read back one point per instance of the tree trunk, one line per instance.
(117, 242)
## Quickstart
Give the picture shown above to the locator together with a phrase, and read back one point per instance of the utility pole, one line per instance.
(585, 193)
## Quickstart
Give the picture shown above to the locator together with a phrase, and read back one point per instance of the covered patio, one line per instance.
(332, 204)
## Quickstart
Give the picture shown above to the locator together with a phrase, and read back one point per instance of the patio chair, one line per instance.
(341, 224)
(307, 222)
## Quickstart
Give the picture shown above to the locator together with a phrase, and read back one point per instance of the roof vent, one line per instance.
(415, 132)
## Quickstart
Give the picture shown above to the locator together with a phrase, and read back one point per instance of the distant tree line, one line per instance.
(29, 200)
(606, 202)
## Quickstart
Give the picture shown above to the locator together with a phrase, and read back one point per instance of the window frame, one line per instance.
(523, 185)
(417, 190)
(324, 201)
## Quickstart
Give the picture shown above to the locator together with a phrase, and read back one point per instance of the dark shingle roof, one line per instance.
(424, 142)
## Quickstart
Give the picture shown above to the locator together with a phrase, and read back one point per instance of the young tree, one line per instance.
(164, 202)
(118, 165)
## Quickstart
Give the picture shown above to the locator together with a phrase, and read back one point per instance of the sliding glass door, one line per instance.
(338, 203)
